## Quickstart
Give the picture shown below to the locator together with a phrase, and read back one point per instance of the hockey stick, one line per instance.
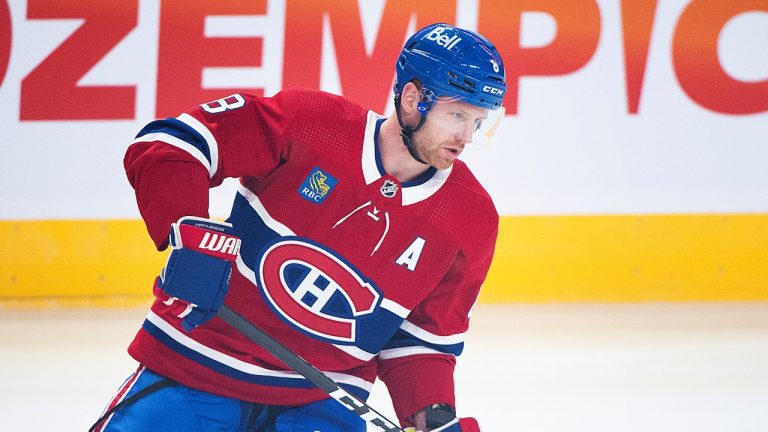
(319, 379)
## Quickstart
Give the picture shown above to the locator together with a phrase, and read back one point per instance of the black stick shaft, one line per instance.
(293, 361)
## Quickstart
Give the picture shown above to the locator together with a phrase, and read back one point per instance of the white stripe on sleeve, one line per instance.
(213, 145)
(408, 351)
(431, 337)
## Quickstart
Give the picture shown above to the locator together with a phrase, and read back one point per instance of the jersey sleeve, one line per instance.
(172, 163)
(417, 365)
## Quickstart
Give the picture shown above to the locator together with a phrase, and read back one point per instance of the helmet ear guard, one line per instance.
(422, 108)
(406, 130)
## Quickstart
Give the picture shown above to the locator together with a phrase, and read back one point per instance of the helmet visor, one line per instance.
(465, 122)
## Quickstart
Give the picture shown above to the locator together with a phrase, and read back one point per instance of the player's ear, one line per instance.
(410, 98)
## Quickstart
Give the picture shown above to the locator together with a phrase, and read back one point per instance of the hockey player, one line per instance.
(357, 241)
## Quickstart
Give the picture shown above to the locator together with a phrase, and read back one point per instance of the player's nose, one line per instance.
(464, 135)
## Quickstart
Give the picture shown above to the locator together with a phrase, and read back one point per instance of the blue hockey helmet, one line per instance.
(452, 62)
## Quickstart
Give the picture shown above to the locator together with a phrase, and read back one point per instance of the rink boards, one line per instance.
(538, 259)
(630, 165)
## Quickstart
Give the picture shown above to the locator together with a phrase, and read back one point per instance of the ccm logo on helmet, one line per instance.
(314, 290)
(445, 41)
(493, 90)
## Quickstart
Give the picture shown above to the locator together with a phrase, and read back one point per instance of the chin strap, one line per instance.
(406, 131)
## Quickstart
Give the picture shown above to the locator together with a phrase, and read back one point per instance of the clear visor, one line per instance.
(466, 122)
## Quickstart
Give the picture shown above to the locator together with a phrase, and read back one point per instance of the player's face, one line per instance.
(449, 127)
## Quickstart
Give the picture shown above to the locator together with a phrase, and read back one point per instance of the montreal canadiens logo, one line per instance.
(314, 290)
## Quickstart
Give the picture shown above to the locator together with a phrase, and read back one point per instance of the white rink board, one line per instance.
(545, 368)
(572, 148)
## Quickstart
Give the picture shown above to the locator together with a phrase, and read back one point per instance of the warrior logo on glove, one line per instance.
(212, 239)
(199, 267)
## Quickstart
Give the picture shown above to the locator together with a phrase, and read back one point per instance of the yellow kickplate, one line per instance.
(630, 258)
(538, 259)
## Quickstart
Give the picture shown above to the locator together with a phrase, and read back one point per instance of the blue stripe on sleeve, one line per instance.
(403, 339)
(180, 130)
(378, 327)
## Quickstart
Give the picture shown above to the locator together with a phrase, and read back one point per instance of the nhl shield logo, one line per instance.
(389, 188)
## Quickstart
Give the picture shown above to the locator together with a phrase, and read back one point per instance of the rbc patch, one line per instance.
(317, 186)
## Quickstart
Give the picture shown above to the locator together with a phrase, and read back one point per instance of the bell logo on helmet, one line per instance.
(443, 40)
(452, 62)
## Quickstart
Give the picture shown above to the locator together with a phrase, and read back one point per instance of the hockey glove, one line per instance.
(442, 418)
(199, 267)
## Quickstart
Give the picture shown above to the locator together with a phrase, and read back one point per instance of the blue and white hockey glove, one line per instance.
(199, 267)
(441, 418)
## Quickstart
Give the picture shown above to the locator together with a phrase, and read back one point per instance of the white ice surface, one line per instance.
(578, 367)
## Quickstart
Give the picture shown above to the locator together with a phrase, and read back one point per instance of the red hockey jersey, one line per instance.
(361, 275)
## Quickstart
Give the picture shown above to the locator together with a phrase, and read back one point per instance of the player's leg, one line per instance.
(174, 407)
(326, 415)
